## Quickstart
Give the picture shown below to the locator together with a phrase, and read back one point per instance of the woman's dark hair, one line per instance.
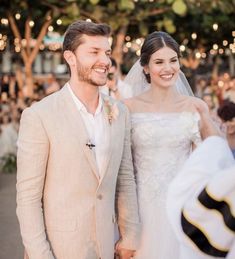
(154, 42)
(226, 111)
(74, 33)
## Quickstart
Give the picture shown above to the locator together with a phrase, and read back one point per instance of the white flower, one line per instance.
(111, 110)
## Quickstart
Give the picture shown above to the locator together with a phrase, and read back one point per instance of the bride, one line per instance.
(165, 128)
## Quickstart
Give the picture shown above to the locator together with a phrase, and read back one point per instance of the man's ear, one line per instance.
(69, 57)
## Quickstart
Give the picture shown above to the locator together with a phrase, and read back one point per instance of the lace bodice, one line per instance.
(161, 142)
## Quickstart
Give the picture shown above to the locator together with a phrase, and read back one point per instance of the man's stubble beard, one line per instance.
(84, 75)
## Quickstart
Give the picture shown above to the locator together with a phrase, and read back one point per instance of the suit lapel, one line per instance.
(79, 128)
(110, 127)
(109, 151)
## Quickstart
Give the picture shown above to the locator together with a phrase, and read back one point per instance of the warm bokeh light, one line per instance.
(50, 28)
(182, 48)
(59, 21)
(194, 35)
(17, 16)
(4, 21)
(198, 55)
(215, 26)
(31, 23)
(225, 42)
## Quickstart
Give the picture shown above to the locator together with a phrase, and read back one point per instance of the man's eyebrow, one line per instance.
(95, 48)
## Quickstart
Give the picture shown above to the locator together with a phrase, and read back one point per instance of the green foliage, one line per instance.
(8, 163)
(179, 7)
(126, 5)
(94, 2)
(169, 25)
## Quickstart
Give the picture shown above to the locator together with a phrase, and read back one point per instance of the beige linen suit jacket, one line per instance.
(65, 211)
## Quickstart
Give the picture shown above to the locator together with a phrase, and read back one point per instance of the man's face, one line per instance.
(93, 60)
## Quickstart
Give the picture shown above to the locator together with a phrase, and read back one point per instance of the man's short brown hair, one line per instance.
(74, 33)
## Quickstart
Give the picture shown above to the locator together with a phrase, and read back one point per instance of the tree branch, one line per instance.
(43, 32)
(27, 35)
(16, 33)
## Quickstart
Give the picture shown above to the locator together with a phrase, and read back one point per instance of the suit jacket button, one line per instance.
(99, 196)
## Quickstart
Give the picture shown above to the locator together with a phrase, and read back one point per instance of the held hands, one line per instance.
(122, 253)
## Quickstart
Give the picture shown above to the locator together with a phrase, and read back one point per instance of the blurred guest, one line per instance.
(5, 88)
(53, 85)
(230, 90)
(227, 114)
(115, 87)
(8, 136)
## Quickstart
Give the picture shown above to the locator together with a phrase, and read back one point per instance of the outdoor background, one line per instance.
(31, 63)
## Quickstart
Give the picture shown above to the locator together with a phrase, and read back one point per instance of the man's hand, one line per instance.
(123, 253)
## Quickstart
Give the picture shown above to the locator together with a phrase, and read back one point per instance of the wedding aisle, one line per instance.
(10, 241)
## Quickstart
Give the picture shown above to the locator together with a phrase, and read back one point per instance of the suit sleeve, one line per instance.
(126, 197)
(32, 156)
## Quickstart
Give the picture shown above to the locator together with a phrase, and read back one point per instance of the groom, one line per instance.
(73, 159)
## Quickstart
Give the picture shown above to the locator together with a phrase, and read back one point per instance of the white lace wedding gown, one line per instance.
(161, 142)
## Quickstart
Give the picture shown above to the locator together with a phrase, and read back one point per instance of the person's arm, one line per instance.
(126, 199)
(207, 125)
(32, 156)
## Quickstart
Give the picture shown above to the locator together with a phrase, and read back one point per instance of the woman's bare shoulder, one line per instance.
(132, 103)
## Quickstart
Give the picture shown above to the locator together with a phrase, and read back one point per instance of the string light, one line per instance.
(225, 42)
(17, 16)
(31, 23)
(215, 26)
(212, 52)
(50, 28)
(215, 46)
(194, 35)
(59, 21)
(221, 51)
(182, 48)
(198, 55)
(138, 41)
(4, 21)
(203, 55)
(125, 49)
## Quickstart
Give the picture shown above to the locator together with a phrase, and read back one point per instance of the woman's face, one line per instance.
(163, 67)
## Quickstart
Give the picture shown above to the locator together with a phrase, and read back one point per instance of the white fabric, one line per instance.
(161, 142)
(205, 163)
(136, 79)
(124, 89)
(97, 130)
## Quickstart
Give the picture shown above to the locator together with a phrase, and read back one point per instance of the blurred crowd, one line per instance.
(219, 95)
(13, 102)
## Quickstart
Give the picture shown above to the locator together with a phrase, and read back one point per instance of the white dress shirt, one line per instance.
(97, 129)
(124, 89)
